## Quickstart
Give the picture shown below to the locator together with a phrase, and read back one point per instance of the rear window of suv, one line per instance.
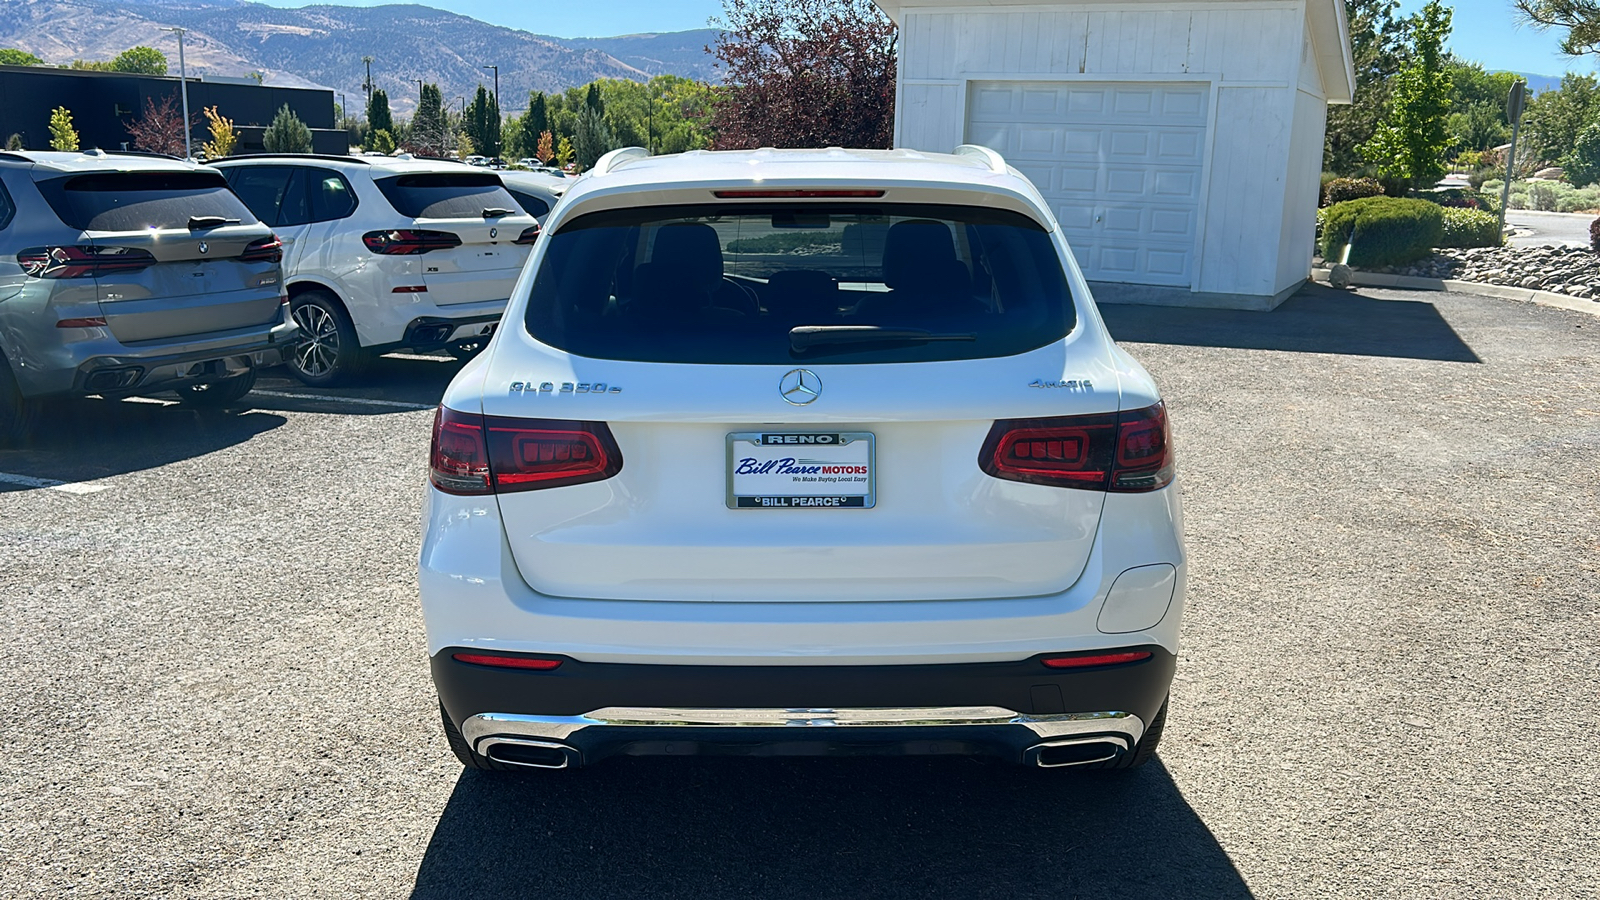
(779, 284)
(139, 201)
(446, 195)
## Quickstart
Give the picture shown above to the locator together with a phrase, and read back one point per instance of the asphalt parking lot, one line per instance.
(215, 684)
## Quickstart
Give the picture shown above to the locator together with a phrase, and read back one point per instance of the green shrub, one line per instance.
(1382, 231)
(1341, 189)
(1582, 165)
(1460, 198)
(1470, 228)
(1594, 235)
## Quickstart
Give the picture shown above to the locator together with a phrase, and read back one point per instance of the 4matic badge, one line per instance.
(565, 387)
(1077, 384)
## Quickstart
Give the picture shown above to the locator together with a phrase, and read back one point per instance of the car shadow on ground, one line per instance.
(814, 828)
(1318, 319)
(85, 439)
(402, 380)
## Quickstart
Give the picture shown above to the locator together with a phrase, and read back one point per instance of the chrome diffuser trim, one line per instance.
(562, 728)
(1115, 746)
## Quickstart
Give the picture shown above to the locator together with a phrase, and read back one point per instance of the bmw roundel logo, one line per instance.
(493, 232)
(204, 247)
(800, 386)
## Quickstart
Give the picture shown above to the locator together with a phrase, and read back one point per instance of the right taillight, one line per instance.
(409, 241)
(267, 249)
(1129, 451)
(473, 454)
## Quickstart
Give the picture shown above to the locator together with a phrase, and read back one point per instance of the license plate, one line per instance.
(801, 470)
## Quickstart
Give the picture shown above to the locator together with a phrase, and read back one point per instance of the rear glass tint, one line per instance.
(446, 195)
(728, 284)
(139, 201)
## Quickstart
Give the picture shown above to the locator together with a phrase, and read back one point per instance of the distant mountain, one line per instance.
(1538, 83)
(324, 45)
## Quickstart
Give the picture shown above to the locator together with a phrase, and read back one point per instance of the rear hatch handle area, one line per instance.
(200, 223)
(495, 212)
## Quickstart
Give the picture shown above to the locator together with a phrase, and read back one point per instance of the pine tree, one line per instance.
(62, 135)
(429, 133)
(287, 134)
(537, 120)
(378, 115)
(592, 139)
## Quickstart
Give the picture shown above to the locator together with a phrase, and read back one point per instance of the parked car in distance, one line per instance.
(802, 451)
(130, 274)
(385, 253)
(536, 192)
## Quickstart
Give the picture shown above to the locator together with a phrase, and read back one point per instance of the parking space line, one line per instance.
(392, 404)
(65, 487)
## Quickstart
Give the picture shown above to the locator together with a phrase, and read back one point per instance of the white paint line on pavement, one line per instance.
(362, 401)
(155, 400)
(65, 487)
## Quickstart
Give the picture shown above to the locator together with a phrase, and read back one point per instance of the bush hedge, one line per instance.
(1594, 235)
(1470, 228)
(1341, 189)
(1547, 196)
(1381, 231)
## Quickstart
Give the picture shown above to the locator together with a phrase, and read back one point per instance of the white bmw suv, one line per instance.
(795, 452)
(385, 253)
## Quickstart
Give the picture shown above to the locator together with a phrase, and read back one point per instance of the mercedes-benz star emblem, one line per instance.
(203, 247)
(800, 386)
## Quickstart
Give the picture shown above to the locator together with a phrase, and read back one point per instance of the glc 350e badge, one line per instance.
(564, 387)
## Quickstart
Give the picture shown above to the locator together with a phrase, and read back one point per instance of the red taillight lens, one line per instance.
(90, 322)
(458, 461)
(1127, 451)
(267, 249)
(479, 454)
(529, 454)
(1096, 659)
(409, 242)
(82, 261)
(528, 235)
(506, 662)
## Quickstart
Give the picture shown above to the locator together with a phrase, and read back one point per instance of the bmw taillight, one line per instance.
(1130, 451)
(82, 261)
(267, 249)
(529, 235)
(409, 241)
(473, 454)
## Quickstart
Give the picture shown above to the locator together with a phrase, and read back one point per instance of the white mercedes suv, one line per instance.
(800, 452)
(385, 253)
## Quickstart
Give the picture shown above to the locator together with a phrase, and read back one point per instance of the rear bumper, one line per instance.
(583, 712)
(433, 332)
(196, 363)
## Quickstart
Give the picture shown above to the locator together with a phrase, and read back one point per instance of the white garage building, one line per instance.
(1180, 143)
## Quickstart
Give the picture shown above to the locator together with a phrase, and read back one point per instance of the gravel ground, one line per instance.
(215, 686)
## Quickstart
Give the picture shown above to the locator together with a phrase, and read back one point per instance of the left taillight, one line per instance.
(529, 235)
(474, 454)
(1126, 452)
(82, 261)
(409, 241)
(267, 249)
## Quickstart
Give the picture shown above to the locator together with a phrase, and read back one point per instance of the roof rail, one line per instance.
(331, 157)
(990, 158)
(616, 158)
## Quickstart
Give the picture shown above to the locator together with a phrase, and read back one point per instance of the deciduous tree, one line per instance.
(224, 139)
(62, 135)
(10, 56)
(160, 129)
(1410, 143)
(1377, 51)
(140, 61)
(546, 150)
(804, 73)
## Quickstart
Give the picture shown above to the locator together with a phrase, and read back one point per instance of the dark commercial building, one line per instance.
(103, 103)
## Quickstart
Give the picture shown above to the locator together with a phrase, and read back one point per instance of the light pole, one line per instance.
(368, 83)
(344, 111)
(183, 88)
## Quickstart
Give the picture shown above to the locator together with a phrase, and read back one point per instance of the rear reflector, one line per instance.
(795, 194)
(410, 289)
(1098, 659)
(90, 322)
(1130, 451)
(474, 454)
(506, 662)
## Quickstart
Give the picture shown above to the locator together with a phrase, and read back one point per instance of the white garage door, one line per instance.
(1120, 164)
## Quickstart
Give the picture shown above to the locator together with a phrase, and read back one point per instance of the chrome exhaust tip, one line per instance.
(1082, 751)
(533, 754)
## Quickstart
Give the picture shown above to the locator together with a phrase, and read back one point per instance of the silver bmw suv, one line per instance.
(129, 274)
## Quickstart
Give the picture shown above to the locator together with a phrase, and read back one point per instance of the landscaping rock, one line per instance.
(1574, 271)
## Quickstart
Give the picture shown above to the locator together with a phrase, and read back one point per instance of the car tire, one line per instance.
(217, 394)
(18, 415)
(328, 351)
(468, 757)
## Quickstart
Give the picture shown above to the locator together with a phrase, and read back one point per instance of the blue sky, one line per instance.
(1485, 30)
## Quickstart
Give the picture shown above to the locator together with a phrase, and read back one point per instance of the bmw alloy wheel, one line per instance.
(318, 351)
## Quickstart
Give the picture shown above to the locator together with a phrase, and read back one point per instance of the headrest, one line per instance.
(690, 251)
(915, 247)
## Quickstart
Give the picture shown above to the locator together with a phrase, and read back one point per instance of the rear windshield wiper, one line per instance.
(495, 212)
(804, 337)
(198, 222)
